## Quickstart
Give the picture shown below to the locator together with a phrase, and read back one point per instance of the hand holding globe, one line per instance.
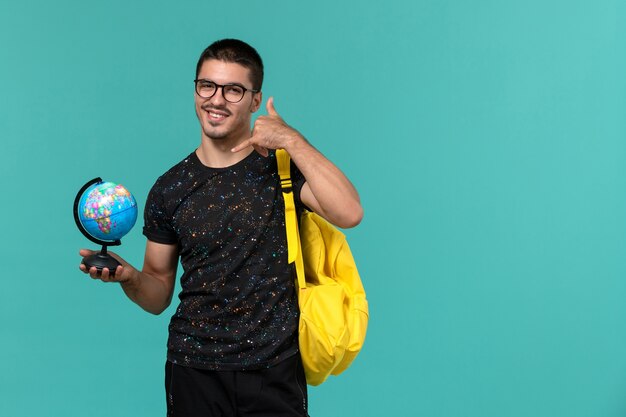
(104, 212)
(118, 274)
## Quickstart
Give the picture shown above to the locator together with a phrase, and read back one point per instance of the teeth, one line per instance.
(219, 116)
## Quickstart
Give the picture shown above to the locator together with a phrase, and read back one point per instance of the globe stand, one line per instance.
(101, 259)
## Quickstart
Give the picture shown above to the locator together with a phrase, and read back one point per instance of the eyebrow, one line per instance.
(230, 83)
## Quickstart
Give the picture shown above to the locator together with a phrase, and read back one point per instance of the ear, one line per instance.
(256, 102)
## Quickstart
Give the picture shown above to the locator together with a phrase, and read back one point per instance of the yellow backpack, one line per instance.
(333, 309)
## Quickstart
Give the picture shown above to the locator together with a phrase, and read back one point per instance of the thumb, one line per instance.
(271, 110)
(86, 252)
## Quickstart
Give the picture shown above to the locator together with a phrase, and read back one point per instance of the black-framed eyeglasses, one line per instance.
(232, 93)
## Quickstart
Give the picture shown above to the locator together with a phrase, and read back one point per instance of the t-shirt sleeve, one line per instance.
(157, 223)
(297, 182)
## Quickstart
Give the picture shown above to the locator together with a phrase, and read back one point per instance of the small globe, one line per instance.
(107, 211)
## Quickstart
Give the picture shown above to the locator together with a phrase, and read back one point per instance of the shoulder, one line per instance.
(186, 168)
(169, 189)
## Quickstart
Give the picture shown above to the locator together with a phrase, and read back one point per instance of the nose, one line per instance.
(218, 97)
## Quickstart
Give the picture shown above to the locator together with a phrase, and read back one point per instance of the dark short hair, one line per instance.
(236, 51)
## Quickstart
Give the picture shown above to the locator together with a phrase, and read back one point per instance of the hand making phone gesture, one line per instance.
(269, 132)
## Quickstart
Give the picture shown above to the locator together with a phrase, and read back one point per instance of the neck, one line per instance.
(216, 153)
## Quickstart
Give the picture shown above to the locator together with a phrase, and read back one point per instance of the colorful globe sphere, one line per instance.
(107, 211)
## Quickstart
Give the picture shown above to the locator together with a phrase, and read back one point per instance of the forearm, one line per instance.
(327, 191)
(150, 293)
(336, 197)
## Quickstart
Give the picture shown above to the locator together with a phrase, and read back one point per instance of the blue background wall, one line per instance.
(487, 140)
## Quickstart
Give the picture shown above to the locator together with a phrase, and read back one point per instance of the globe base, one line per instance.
(101, 260)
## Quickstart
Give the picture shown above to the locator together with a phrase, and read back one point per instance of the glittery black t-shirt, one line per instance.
(238, 306)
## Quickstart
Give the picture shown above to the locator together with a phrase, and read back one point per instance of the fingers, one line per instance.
(250, 142)
(105, 275)
(86, 252)
(242, 146)
(271, 110)
(264, 132)
(93, 271)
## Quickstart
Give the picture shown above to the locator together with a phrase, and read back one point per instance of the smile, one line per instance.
(217, 116)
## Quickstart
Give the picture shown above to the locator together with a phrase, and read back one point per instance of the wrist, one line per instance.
(295, 143)
(130, 277)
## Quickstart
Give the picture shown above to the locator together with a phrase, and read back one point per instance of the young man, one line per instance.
(233, 341)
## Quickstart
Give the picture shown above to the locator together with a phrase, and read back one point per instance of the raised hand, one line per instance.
(269, 132)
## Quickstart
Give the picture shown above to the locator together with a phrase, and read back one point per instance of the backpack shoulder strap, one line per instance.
(291, 220)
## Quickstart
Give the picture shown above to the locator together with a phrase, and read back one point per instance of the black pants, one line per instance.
(279, 391)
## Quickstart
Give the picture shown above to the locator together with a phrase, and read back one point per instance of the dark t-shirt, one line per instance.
(238, 305)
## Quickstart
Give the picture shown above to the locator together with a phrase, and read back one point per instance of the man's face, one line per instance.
(220, 119)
